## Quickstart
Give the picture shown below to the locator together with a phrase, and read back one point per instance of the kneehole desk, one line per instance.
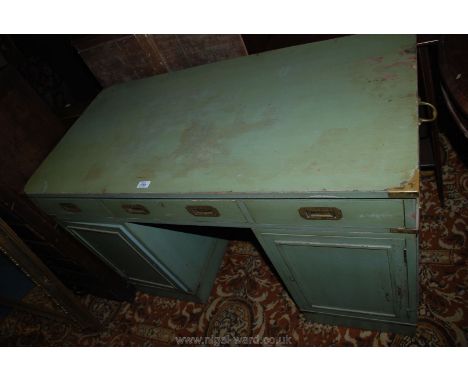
(313, 147)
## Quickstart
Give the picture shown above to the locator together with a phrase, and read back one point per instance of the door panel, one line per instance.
(116, 248)
(342, 275)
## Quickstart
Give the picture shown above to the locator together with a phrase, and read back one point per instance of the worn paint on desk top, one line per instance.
(339, 115)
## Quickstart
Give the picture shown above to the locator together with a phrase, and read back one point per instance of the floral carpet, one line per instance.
(249, 305)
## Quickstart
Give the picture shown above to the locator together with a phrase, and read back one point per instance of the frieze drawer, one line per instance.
(339, 213)
(72, 207)
(177, 210)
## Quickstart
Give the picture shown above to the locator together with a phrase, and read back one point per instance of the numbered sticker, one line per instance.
(143, 183)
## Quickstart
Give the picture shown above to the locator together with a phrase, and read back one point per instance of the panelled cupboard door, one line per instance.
(116, 246)
(341, 275)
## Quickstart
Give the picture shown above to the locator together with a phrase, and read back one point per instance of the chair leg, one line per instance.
(426, 73)
(435, 143)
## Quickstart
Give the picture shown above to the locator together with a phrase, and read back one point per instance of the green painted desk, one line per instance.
(313, 147)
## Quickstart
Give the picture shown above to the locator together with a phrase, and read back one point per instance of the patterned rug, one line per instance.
(249, 305)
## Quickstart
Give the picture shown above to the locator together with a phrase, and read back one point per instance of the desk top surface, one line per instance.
(334, 116)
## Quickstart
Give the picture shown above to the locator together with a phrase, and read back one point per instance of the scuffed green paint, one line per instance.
(335, 116)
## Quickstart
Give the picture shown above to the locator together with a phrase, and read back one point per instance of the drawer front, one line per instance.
(174, 210)
(75, 208)
(202, 211)
(141, 209)
(376, 213)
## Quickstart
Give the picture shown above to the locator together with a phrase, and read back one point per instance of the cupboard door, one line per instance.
(119, 249)
(346, 276)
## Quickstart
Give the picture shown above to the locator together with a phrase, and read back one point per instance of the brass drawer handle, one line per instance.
(205, 211)
(434, 112)
(70, 207)
(320, 213)
(135, 209)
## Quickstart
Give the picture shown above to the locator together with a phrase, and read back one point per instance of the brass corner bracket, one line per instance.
(409, 190)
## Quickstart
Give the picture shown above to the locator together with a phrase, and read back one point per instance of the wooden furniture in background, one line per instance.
(453, 62)
(430, 149)
(258, 43)
(29, 131)
(21, 255)
(119, 58)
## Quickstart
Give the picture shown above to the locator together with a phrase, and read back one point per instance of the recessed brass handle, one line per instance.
(135, 209)
(434, 112)
(204, 211)
(70, 207)
(320, 213)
